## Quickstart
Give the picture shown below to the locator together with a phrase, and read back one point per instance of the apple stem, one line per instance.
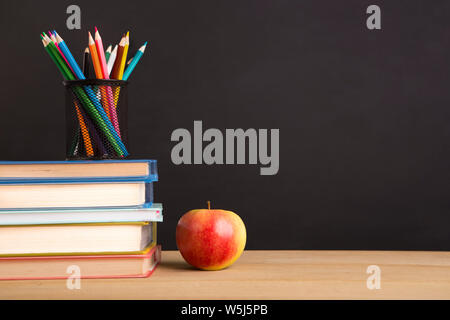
(209, 204)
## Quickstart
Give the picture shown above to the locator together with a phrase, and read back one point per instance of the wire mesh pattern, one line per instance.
(96, 119)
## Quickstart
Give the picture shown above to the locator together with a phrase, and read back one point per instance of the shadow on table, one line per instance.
(176, 265)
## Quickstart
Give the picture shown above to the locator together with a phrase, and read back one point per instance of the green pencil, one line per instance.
(67, 74)
(108, 53)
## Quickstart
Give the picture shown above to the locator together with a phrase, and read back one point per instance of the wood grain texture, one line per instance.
(267, 275)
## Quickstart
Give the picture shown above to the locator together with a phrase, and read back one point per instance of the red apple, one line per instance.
(211, 239)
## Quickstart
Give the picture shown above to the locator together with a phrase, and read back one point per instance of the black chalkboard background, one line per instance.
(364, 116)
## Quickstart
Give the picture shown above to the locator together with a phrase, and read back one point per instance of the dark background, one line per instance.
(363, 115)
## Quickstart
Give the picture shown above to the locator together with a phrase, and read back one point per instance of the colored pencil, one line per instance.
(90, 99)
(53, 38)
(121, 65)
(98, 142)
(134, 62)
(116, 68)
(95, 58)
(86, 63)
(65, 71)
(85, 98)
(113, 130)
(108, 53)
(101, 53)
(124, 56)
(118, 61)
(84, 131)
(99, 101)
(82, 119)
(71, 60)
(99, 75)
(109, 94)
(111, 60)
(57, 46)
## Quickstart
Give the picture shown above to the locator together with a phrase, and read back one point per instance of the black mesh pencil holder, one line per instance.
(96, 119)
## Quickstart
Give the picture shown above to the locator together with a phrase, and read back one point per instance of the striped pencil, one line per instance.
(84, 131)
(105, 91)
(98, 74)
(97, 141)
(82, 119)
(109, 93)
(119, 65)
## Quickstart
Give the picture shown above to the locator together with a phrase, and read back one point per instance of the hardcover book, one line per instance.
(75, 195)
(80, 215)
(77, 239)
(90, 267)
(78, 171)
(77, 184)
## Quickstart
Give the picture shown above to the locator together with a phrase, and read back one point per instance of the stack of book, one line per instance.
(98, 216)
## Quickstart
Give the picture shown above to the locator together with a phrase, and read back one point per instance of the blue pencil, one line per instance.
(134, 62)
(73, 63)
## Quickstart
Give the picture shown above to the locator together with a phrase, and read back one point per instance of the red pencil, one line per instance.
(107, 94)
(101, 54)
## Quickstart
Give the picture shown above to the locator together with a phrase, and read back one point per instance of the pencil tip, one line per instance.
(86, 50)
(91, 40)
(96, 29)
(58, 37)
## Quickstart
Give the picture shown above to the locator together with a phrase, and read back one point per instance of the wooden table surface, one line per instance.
(267, 275)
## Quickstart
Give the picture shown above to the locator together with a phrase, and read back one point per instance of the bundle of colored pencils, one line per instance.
(95, 106)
